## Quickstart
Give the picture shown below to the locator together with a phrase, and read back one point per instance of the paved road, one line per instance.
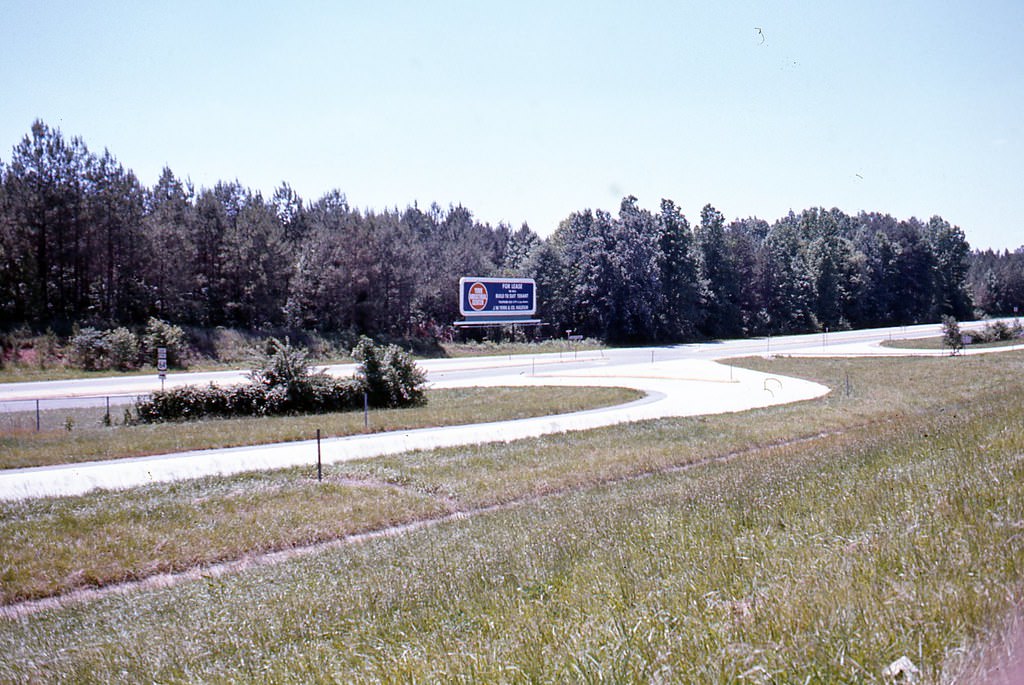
(680, 380)
(91, 392)
(675, 387)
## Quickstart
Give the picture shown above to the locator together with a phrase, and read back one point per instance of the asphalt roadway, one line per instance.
(94, 391)
(681, 380)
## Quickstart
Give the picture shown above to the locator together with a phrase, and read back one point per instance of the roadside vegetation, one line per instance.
(284, 383)
(72, 436)
(938, 343)
(31, 357)
(488, 348)
(993, 334)
(812, 542)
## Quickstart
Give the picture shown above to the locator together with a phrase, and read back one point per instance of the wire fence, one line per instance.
(66, 413)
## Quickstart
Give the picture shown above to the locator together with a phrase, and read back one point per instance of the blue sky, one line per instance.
(528, 111)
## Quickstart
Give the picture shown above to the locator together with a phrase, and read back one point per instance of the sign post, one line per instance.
(161, 365)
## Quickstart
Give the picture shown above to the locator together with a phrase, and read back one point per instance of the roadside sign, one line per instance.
(497, 297)
(161, 361)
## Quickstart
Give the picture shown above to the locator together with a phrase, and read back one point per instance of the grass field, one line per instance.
(815, 542)
(937, 343)
(88, 439)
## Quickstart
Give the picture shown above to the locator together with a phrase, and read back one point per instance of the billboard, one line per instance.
(494, 297)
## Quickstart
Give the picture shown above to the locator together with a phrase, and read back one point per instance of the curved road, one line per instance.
(682, 380)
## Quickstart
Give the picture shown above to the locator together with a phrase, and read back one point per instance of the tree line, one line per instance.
(83, 242)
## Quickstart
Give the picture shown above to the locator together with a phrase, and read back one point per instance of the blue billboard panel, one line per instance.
(497, 297)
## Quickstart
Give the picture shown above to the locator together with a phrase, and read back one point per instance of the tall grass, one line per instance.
(826, 540)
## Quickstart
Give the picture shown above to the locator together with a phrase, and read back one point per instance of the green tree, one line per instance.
(256, 265)
(744, 240)
(879, 272)
(118, 247)
(397, 258)
(589, 247)
(636, 291)
(915, 269)
(520, 246)
(719, 279)
(291, 214)
(830, 257)
(680, 284)
(171, 271)
(45, 206)
(207, 298)
(787, 280)
(950, 253)
(554, 292)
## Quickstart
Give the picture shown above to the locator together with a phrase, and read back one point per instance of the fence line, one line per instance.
(49, 413)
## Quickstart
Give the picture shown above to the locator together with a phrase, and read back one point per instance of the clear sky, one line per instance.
(527, 111)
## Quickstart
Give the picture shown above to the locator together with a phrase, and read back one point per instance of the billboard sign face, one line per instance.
(505, 297)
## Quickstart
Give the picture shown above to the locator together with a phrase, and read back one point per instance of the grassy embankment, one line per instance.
(815, 542)
(88, 439)
(937, 343)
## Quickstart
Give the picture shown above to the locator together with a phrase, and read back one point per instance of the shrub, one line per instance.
(951, 334)
(95, 350)
(320, 394)
(162, 334)
(281, 384)
(89, 349)
(281, 365)
(327, 393)
(284, 384)
(388, 375)
(122, 349)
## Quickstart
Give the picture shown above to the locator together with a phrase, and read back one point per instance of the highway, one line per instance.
(124, 389)
(682, 380)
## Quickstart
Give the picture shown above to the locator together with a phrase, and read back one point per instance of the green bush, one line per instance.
(89, 349)
(388, 375)
(281, 364)
(95, 350)
(951, 334)
(162, 334)
(122, 349)
(282, 384)
(322, 394)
